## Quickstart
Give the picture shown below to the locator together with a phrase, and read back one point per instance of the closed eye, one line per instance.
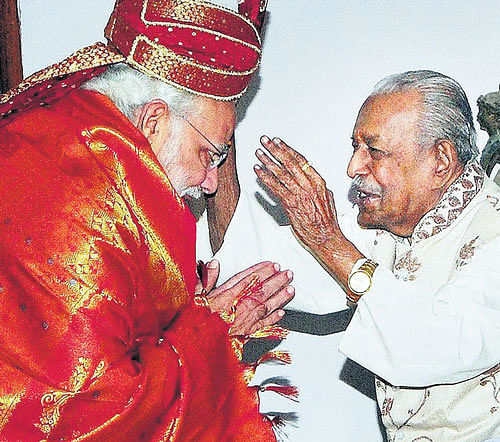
(376, 153)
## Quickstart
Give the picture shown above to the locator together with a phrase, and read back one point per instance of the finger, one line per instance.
(291, 181)
(251, 316)
(292, 161)
(279, 299)
(331, 200)
(271, 319)
(272, 285)
(213, 269)
(270, 165)
(250, 299)
(262, 269)
(249, 311)
(272, 183)
(281, 152)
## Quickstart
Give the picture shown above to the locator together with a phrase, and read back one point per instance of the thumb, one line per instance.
(213, 269)
(331, 201)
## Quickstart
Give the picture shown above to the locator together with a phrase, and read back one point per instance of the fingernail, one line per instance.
(281, 313)
(290, 290)
(259, 152)
(276, 266)
(264, 139)
(289, 274)
(276, 140)
(213, 264)
(257, 167)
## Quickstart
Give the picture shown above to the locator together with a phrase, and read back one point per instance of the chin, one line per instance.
(368, 222)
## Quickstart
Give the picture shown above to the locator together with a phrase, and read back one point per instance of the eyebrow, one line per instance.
(367, 139)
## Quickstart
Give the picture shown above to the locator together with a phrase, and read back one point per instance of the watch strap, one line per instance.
(368, 268)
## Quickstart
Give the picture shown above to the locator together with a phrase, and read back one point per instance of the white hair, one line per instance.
(130, 89)
(446, 113)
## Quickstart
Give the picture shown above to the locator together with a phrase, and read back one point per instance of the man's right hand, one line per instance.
(254, 297)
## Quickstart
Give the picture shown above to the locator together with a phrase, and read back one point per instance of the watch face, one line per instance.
(359, 282)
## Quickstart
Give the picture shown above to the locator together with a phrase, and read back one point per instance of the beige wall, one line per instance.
(321, 58)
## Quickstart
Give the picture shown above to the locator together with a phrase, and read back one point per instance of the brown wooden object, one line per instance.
(11, 68)
(221, 205)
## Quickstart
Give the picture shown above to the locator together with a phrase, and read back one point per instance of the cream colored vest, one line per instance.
(446, 239)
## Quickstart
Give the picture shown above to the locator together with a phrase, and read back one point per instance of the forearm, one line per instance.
(338, 256)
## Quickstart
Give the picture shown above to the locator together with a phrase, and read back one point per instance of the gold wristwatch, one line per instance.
(360, 280)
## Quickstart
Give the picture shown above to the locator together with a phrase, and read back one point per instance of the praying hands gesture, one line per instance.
(250, 300)
(308, 204)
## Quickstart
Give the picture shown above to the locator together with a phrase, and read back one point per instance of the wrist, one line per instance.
(339, 257)
(360, 279)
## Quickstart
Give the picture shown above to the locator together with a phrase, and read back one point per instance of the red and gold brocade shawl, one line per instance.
(100, 338)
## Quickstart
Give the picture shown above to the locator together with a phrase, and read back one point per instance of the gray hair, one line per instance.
(446, 113)
(130, 89)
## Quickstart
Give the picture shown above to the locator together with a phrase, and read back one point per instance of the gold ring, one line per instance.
(305, 166)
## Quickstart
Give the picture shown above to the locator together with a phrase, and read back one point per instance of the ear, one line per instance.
(446, 163)
(152, 120)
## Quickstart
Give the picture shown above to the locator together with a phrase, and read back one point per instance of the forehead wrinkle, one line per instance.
(394, 117)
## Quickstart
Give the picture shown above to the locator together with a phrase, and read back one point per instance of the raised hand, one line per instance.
(308, 204)
(301, 191)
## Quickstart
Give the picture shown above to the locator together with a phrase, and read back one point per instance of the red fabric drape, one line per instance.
(99, 335)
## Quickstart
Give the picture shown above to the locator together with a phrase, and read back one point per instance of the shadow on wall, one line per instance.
(254, 85)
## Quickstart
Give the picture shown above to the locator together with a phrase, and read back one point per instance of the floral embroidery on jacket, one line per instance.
(454, 201)
(385, 411)
(406, 267)
(490, 377)
(467, 252)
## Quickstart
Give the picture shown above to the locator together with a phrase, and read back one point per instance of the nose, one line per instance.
(211, 181)
(358, 165)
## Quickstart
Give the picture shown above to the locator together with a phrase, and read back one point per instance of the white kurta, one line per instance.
(432, 319)
(334, 402)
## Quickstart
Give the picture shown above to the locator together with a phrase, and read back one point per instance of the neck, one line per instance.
(457, 172)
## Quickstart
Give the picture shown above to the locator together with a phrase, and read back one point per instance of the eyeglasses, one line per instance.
(215, 158)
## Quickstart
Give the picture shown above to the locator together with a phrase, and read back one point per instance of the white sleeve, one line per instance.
(412, 336)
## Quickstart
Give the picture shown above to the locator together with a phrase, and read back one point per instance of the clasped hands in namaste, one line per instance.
(252, 299)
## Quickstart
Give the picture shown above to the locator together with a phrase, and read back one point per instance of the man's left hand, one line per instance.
(253, 297)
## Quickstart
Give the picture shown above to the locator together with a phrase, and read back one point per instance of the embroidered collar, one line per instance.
(452, 203)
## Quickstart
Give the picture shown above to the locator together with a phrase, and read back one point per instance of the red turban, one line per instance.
(191, 44)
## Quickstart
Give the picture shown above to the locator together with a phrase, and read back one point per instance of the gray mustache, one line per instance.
(357, 186)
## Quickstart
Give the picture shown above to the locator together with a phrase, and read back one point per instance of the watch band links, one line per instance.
(368, 268)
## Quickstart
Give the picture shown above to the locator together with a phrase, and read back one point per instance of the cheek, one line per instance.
(395, 188)
(196, 175)
(384, 176)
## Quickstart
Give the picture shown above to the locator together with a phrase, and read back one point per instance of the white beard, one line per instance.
(193, 192)
(169, 160)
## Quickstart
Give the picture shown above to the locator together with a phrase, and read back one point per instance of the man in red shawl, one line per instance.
(107, 333)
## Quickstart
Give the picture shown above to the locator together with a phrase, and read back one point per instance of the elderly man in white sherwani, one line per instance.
(426, 287)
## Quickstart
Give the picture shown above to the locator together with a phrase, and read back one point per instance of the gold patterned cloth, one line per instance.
(100, 338)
